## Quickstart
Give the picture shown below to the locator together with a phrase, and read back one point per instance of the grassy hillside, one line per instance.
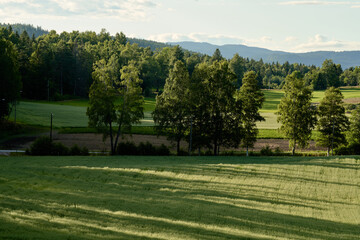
(179, 198)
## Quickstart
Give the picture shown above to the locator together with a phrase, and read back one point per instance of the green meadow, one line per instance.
(73, 113)
(179, 198)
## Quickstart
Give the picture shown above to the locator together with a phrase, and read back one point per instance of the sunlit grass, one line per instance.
(179, 198)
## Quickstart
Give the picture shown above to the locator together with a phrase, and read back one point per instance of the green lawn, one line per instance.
(179, 198)
(73, 113)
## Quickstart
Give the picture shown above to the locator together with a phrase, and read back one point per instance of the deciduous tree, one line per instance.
(115, 102)
(295, 113)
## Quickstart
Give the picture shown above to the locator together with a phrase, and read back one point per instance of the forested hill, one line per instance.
(346, 59)
(30, 29)
(147, 43)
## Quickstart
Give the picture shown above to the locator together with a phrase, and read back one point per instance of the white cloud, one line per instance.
(218, 39)
(322, 43)
(291, 39)
(129, 10)
(352, 4)
(290, 44)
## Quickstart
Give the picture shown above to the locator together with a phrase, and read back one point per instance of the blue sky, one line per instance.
(296, 26)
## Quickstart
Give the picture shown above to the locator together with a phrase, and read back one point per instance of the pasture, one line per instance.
(179, 198)
(73, 113)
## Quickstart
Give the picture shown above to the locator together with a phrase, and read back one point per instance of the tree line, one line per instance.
(55, 66)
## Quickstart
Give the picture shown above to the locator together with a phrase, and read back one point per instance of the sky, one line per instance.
(293, 26)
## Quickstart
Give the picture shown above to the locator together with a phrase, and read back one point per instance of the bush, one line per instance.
(44, 147)
(351, 149)
(163, 150)
(126, 148)
(144, 149)
(75, 150)
(342, 150)
(266, 151)
(84, 151)
(41, 147)
(59, 149)
(277, 151)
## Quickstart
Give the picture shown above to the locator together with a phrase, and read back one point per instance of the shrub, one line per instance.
(44, 147)
(162, 150)
(277, 151)
(351, 149)
(78, 151)
(59, 149)
(266, 151)
(41, 147)
(126, 148)
(75, 150)
(84, 151)
(342, 150)
(144, 149)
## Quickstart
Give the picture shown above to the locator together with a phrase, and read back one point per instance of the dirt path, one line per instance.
(94, 142)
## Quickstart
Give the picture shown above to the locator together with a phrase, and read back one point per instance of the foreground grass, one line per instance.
(179, 198)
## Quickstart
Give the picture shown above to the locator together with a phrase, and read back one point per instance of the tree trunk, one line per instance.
(111, 140)
(215, 149)
(178, 147)
(247, 151)
(328, 151)
(293, 150)
(118, 135)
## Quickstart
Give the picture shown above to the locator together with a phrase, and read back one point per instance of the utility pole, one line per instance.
(51, 120)
(15, 113)
(190, 142)
(332, 140)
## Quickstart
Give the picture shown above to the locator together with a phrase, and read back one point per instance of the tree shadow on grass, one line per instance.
(104, 202)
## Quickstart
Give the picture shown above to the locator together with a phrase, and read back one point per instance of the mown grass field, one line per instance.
(179, 198)
(73, 113)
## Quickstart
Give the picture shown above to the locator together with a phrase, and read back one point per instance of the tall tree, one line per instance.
(114, 101)
(10, 79)
(220, 116)
(332, 120)
(216, 56)
(237, 66)
(251, 98)
(171, 113)
(331, 73)
(354, 133)
(295, 113)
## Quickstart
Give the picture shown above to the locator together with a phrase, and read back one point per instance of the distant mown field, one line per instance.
(73, 113)
(179, 198)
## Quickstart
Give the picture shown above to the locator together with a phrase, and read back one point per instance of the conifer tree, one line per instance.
(251, 98)
(332, 120)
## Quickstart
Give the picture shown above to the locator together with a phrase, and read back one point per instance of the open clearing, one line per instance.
(179, 198)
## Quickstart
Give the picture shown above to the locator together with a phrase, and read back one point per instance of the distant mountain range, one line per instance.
(346, 59)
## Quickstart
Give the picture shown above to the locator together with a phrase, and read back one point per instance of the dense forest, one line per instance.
(56, 66)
